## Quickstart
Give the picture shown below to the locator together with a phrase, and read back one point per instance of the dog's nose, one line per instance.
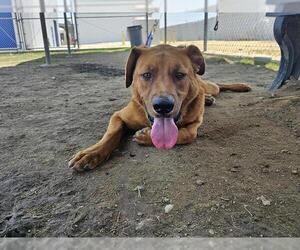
(163, 104)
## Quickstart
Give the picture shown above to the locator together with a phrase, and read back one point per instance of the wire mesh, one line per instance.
(242, 34)
(238, 34)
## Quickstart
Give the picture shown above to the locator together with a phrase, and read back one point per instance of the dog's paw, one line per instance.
(143, 136)
(209, 100)
(87, 159)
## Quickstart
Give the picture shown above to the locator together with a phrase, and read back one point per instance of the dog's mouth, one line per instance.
(164, 131)
(176, 118)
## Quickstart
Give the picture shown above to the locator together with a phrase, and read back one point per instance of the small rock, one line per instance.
(132, 154)
(53, 77)
(165, 200)
(265, 170)
(234, 170)
(143, 223)
(295, 171)
(136, 162)
(200, 182)
(264, 201)
(139, 187)
(211, 231)
(139, 214)
(225, 199)
(112, 99)
(168, 208)
(146, 156)
(285, 151)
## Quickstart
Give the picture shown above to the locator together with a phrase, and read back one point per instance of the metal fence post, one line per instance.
(45, 38)
(66, 26)
(205, 25)
(67, 33)
(18, 31)
(165, 20)
(76, 28)
(147, 18)
(44, 32)
(22, 31)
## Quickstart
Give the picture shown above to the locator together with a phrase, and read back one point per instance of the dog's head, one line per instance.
(163, 78)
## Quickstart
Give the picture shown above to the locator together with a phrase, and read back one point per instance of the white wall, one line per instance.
(97, 30)
(33, 32)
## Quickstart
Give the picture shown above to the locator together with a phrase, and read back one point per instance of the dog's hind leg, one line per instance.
(209, 100)
(235, 87)
(210, 88)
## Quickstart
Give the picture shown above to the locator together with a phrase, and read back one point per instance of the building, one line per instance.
(89, 21)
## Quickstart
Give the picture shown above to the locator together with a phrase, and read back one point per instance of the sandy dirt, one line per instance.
(239, 178)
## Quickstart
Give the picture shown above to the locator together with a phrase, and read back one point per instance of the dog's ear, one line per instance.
(197, 59)
(130, 65)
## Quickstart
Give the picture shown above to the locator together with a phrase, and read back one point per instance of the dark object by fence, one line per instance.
(45, 38)
(135, 35)
(287, 35)
(67, 33)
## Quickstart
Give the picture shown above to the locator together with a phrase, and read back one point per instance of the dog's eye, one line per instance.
(179, 75)
(147, 76)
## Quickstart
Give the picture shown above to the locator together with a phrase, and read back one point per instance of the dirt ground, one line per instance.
(239, 178)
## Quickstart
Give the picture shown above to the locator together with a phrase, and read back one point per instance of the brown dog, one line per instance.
(167, 104)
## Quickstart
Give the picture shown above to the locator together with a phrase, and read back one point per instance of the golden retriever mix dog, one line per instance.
(167, 103)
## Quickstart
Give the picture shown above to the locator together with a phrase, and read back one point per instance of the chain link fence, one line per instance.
(238, 34)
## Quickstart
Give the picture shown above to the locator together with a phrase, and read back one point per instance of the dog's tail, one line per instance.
(235, 87)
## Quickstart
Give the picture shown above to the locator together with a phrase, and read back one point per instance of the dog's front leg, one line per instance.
(188, 133)
(92, 156)
(132, 117)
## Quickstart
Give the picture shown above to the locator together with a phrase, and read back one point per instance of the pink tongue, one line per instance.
(164, 133)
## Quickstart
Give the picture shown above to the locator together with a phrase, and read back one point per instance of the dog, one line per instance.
(167, 103)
